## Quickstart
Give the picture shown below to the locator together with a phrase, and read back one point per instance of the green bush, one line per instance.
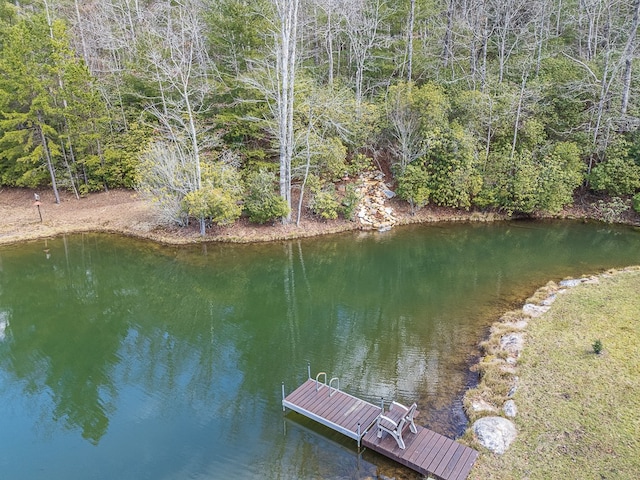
(453, 178)
(413, 186)
(616, 177)
(325, 203)
(224, 208)
(262, 203)
(597, 347)
(359, 164)
(350, 202)
(561, 173)
(636, 202)
(528, 181)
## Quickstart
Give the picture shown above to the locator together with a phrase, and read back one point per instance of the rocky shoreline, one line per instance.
(490, 406)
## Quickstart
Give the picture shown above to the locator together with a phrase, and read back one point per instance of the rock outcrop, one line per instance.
(495, 433)
(373, 214)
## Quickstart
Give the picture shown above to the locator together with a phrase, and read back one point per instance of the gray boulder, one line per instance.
(572, 282)
(549, 300)
(535, 310)
(480, 405)
(495, 433)
(510, 409)
(512, 343)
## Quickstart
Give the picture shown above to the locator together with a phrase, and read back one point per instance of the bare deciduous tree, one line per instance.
(363, 19)
(629, 50)
(176, 52)
(286, 48)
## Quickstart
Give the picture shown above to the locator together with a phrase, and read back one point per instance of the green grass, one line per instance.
(578, 412)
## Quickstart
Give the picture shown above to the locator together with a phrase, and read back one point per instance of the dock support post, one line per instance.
(382, 404)
(359, 437)
(283, 409)
(309, 369)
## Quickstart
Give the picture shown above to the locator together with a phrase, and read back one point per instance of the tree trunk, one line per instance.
(412, 15)
(485, 47)
(518, 113)
(47, 156)
(68, 167)
(306, 169)
(447, 43)
(286, 40)
(102, 164)
(628, 54)
(83, 43)
(330, 49)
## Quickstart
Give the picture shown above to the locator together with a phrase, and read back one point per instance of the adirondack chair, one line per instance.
(395, 420)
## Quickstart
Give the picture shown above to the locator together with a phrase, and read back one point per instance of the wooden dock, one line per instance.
(426, 452)
(333, 408)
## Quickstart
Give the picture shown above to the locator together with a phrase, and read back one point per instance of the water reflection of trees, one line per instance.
(215, 328)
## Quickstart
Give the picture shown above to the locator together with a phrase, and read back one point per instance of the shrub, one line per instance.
(616, 177)
(224, 208)
(262, 203)
(450, 162)
(612, 210)
(325, 203)
(561, 173)
(359, 164)
(597, 347)
(413, 186)
(350, 202)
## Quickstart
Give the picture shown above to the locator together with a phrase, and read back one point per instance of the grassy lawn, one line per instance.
(578, 412)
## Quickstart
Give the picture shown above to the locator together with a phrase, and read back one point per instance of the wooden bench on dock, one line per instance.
(426, 452)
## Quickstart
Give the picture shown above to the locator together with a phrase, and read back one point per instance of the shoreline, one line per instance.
(123, 212)
(499, 366)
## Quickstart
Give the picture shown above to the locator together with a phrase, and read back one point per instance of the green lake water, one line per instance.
(122, 359)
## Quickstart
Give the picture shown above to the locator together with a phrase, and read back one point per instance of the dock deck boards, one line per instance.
(339, 411)
(426, 452)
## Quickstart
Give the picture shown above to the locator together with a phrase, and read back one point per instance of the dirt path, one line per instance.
(124, 212)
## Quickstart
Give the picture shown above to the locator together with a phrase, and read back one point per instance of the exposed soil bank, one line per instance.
(124, 212)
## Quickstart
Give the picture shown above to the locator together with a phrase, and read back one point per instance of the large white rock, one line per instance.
(480, 405)
(495, 433)
(512, 343)
(535, 310)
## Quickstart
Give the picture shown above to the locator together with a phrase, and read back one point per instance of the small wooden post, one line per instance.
(37, 204)
(283, 409)
(39, 212)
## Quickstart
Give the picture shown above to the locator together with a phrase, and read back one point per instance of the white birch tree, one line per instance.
(285, 43)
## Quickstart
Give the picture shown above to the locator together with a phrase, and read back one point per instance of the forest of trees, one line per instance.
(219, 108)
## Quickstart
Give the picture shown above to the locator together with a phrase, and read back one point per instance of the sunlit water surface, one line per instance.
(122, 359)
